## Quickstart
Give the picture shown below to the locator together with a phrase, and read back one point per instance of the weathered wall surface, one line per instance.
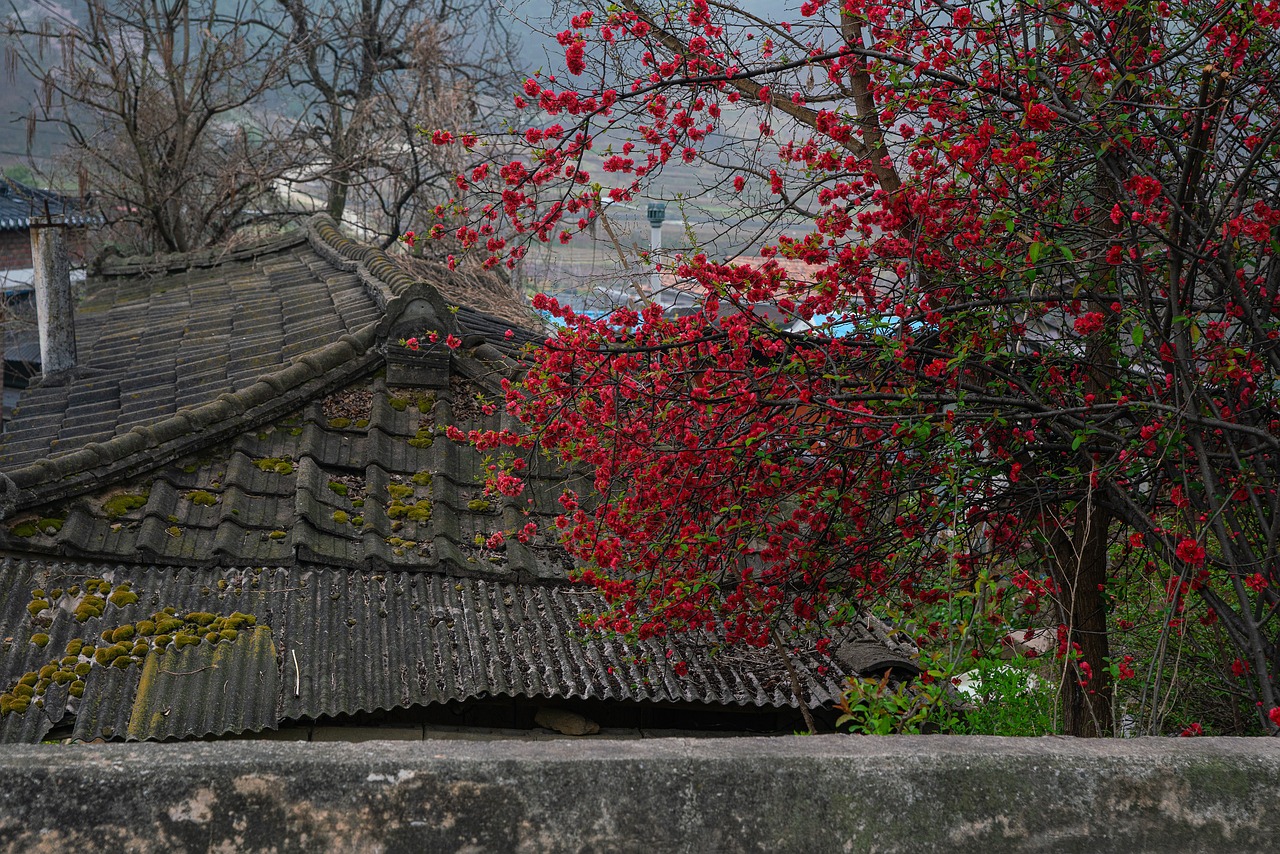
(826, 793)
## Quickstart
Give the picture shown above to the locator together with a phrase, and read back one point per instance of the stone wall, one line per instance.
(825, 793)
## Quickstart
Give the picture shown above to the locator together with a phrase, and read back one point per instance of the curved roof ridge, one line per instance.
(145, 447)
(21, 203)
(385, 279)
(133, 265)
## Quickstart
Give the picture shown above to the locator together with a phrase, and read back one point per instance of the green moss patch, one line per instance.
(91, 606)
(123, 503)
(122, 646)
(424, 438)
(275, 465)
(201, 498)
(419, 511)
(30, 527)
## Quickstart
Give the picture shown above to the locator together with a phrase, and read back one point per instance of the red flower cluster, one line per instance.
(1190, 552)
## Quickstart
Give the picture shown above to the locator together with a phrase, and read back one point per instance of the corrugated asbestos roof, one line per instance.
(327, 464)
(330, 642)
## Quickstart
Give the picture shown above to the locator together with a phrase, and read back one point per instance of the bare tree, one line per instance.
(155, 96)
(376, 71)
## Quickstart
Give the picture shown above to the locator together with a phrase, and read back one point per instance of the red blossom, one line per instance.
(943, 352)
(1039, 117)
(575, 57)
(1087, 324)
(1190, 552)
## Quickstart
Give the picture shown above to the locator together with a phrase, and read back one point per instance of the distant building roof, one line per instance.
(795, 270)
(244, 434)
(19, 203)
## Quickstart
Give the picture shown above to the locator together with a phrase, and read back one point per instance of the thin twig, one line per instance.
(795, 684)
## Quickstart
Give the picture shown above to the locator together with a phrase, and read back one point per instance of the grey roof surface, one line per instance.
(361, 478)
(21, 339)
(153, 341)
(316, 490)
(19, 203)
(361, 642)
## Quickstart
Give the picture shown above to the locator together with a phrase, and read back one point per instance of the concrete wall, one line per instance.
(826, 793)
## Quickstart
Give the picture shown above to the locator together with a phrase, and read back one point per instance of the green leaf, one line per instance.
(1075, 446)
(1036, 250)
(1137, 336)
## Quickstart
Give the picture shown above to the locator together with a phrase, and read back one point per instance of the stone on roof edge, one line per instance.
(45, 480)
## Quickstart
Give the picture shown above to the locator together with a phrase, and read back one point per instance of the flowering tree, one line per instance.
(1042, 328)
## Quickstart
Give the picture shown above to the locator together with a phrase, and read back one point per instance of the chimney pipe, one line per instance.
(54, 305)
(656, 213)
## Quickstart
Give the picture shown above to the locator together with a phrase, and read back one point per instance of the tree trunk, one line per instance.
(1079, 561)
(337, 202)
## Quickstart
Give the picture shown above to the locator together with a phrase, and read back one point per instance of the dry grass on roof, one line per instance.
(488, 291)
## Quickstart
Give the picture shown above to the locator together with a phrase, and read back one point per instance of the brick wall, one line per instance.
(15, 248)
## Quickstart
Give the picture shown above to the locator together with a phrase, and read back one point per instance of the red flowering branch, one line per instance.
(1038, 326)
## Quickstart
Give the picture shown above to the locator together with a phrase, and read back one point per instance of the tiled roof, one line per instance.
(152, 343)
(361, 478)
(318, 494)
(19, 203)
(21, 340)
